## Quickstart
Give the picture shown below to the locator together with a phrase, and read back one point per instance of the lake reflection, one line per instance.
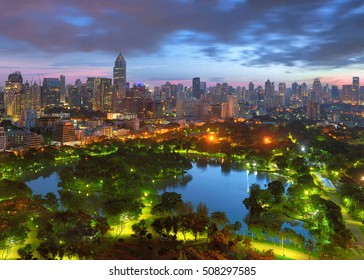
(219, 187)
(45, 184)
(223, 189)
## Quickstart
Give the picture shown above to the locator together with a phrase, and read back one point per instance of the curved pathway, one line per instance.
(289, 253)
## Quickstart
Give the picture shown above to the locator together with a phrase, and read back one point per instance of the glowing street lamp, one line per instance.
(267, 140)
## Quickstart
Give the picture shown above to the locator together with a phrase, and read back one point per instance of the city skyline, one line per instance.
(233, 41)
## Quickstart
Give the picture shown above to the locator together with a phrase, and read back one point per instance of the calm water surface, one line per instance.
(219, 189)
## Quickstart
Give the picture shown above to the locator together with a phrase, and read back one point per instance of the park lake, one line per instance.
(221, 188)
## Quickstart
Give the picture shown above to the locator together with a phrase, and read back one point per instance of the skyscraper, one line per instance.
(119, 82)
(268, 93)
(119, 71)
(355, 90)
(346, 94)
(13, 88)
(196, 86)
(335, 94)
(317, 91)
(2, 139)
(281, 94)
(62, 80)
(51, 92)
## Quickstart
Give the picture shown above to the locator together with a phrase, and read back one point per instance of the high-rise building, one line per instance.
(2, 139)
(104, 96)
(13, 89)
(120, 71)
(355, 90)
(313, 110)
(232, 106)
(74, 98)
(2, 102)
(62, 80)
(120, 85)
(92, 84)
(316, 94)
(346, 94)
(252, 96)
(335, 94)
(361, 95)
(51, 92)
(196, 87)
(281, 94)
(268, 93)
(203, 87)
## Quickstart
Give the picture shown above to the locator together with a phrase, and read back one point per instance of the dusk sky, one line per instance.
(234, 41)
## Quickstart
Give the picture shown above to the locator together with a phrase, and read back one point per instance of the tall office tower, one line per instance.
(104, 95)
(92, 84)
(2, 104)
(26, 97)
(64, 133)
(51, 92)
(294, 88)
(317, 91)
(232, 106)
(281, 94)
(196, 87)
(252, 95)
(203, 87)
(166, 91)
(251, 87)
(295, 94)
(268, 93)
(2, 139)
(361, 95)
(62, 80)
(325, 93)
(335, 94)
(346, 94)
(355, 91)
(35, 93)
(313, 110)
(75, 96)
(119, 71)
(225, 89)
(119, 82)
(13, 88)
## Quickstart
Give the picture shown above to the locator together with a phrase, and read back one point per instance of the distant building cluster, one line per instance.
(29, 105)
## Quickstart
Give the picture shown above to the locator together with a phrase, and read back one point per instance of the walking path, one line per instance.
(354, 226)
(278, 250)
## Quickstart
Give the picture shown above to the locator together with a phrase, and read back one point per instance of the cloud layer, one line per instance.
(252, 33)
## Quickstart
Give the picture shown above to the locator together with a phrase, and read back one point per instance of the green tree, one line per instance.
(277, 190)
(26, 252)
(169, 203)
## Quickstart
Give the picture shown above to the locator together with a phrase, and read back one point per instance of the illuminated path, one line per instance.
(279, 252)
(354, 226)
